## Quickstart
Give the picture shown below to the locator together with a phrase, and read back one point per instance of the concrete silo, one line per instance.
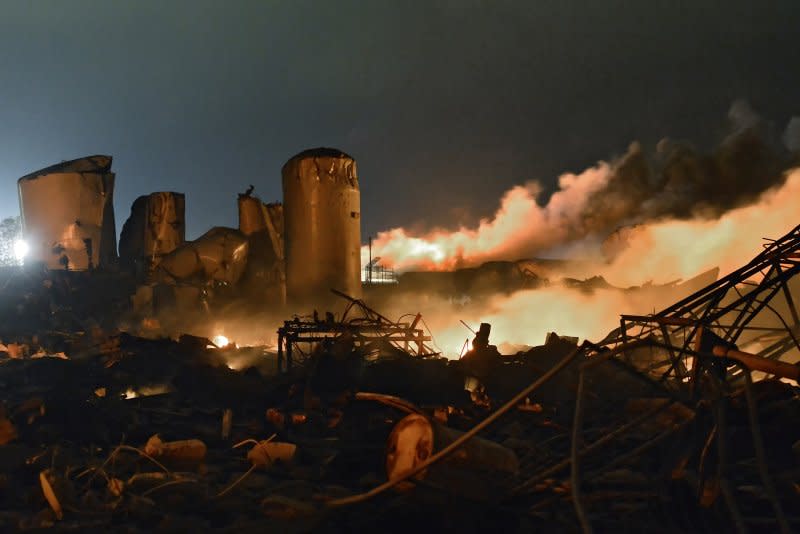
(322, 224)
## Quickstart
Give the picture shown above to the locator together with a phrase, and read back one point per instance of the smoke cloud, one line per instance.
(673, 182)
(661, 252)
(519, 226)
(791, 137)
(672, 249)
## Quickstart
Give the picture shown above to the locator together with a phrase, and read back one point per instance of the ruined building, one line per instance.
(295, 251)
(68, 214)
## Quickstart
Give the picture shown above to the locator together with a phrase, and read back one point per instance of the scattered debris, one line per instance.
(368, 330)
(683, 420)
(184, 452)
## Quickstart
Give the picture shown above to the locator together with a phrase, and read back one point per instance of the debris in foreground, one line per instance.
(661, 426)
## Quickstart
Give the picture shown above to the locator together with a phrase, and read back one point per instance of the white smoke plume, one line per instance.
(676, 182)
(660, 252)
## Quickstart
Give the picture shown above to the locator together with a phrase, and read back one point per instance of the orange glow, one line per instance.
(520, 226)
(526, 317)
(657, 252)
(220, 341)
(680, 249)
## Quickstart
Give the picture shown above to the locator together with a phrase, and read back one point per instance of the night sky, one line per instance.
(444, 104)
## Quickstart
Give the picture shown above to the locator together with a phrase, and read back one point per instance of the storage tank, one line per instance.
(155, 228)
(219, 255)
(264, 278)
(68, 214)
(322, 225)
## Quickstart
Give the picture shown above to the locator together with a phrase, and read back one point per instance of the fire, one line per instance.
(220, 341)
(657, 252)
(526, 317)
(680, 249)
(521, 225)
(146, 391)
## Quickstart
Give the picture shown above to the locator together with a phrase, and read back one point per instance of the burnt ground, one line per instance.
(82, 402)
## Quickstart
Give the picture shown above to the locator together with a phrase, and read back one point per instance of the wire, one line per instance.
(433, 341)
(468, 327)
(361, 497)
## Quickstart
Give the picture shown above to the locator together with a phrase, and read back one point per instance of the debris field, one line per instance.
(114, 418)
(669, 424)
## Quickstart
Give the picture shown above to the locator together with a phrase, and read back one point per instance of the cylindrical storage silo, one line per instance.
(155, 228)
(68, 214)
(264, 278)
(322, 225)
(251, 215)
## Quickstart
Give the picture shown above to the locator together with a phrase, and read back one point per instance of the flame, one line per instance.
(220, 341)
(519, 226)
(656, 252)
(680, 249)
(146, 391)
(526, 317)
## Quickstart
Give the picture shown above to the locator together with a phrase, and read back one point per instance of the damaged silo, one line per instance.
(156, 227)
(68, 214)
(181, 278)
(219, 255)
(263, 225)
(322, 220)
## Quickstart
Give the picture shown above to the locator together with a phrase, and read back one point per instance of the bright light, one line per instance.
(21, 249)
(220, 341)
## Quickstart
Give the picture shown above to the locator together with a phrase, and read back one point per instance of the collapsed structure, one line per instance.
(676, 421)
(263, 224)
(156, 227)
(683, 420)
(300, 249)
(67, 214)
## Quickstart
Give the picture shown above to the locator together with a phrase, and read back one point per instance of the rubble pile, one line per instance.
(160, 435)
(684, 420)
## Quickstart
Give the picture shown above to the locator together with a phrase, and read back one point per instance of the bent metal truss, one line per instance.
(750, 315)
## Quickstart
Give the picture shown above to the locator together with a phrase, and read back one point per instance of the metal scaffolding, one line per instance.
(750, 313)
(697, 352)
(361, 323)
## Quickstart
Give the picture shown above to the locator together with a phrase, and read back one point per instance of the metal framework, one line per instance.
(687, 349)
(373, 274)
(751, 309)
(361, 323)
(688, 355)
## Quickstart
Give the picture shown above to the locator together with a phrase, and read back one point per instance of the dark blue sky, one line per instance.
(444, 104)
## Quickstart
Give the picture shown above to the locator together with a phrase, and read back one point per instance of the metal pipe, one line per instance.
(753, 362)
(761, 457)
(452, 447)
